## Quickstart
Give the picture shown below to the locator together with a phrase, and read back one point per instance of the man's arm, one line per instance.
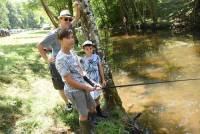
(46, 43)
(76, 7)
(43, 54)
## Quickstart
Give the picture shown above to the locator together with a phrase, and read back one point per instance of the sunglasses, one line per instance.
(68, 19)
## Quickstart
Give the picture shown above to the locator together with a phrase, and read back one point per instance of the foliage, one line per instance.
(4, 22)
(107, 13)
(19, 15)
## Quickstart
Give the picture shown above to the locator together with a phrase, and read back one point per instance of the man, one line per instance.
(66, 21)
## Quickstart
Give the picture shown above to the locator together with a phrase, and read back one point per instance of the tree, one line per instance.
(152, 7)
(32, 22)
(196, 14)
(91, 33)
(13, 15)
(51, 16)
(4, 22)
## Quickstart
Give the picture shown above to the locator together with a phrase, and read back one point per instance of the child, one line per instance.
(93, 66)
(77, 90)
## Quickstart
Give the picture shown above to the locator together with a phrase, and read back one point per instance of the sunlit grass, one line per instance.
(33, 36)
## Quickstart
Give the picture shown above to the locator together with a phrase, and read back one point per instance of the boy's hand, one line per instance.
(103, 83)
(89, 88)
(97, 87)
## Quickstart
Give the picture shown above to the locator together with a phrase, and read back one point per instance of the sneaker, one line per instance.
(68, 107)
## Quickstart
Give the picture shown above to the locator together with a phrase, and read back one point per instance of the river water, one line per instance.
(169, 108)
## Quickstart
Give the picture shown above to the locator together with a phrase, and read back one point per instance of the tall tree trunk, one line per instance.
(196, 12)
(152, 7)
(138, 11)
(51, 16)
(89, 27)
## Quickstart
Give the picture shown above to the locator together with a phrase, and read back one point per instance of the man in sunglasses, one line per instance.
(66, 21)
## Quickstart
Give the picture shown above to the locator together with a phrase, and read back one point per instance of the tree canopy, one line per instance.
(108, 13)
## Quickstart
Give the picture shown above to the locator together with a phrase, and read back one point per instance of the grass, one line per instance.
(27, 97)
(112, 125)
(10, 110)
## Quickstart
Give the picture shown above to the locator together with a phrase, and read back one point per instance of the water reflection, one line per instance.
(171, 108)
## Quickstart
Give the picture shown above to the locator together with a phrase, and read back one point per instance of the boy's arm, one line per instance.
(68, 78)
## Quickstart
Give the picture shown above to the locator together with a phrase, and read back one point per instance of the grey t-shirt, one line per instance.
(51, 41)
(68, 64)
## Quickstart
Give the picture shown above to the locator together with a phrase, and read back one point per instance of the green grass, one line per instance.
(27, 97)
(19, 63)
(69, 118)
(112, 125)
(10, 110)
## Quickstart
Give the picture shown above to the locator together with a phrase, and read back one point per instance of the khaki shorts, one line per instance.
(81, 100)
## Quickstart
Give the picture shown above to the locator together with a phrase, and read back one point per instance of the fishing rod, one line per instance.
(151, 83)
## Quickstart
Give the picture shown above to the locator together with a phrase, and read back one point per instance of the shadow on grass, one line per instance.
(19, 61)
(10, 111)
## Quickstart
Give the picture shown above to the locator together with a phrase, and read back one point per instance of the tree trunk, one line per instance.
(152, 7)
(90, 30)
(196, 13)
(138, 11)
(51, 16)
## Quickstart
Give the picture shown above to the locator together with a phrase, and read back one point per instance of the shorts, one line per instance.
(81, 100)
(56, 78)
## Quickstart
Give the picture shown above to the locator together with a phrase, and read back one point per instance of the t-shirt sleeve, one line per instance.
(62, 67)
(48, 40)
